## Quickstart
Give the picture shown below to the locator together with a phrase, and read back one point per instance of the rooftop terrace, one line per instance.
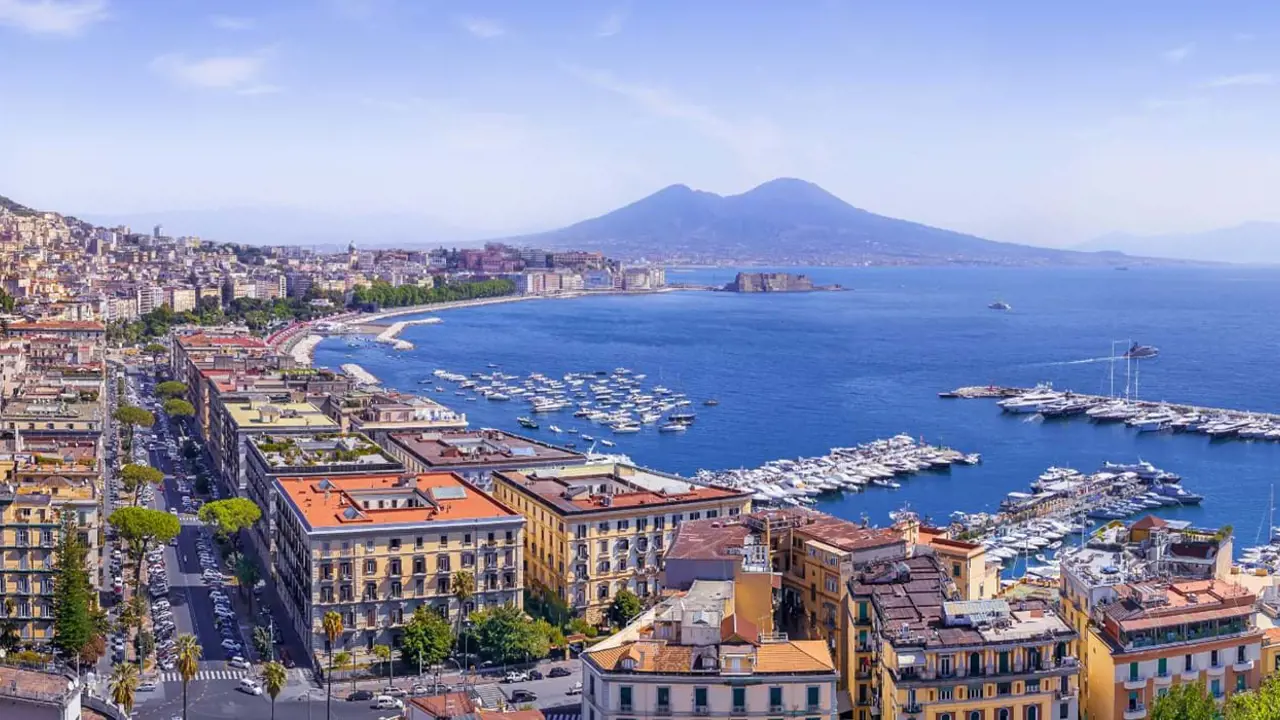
(330, 451)
(387, 499)
(612, 486)
(258, 415)
(475, 448)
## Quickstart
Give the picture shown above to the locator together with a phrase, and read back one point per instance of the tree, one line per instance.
(228, 517)
(1260, 704)
(463, 586)
(9, 637)
(142, 528)
(155, 350)
(624, 607)
(273, 681)
(262, 641)
(133, 417)
(176, 407)
(344, 661)
(506, 635)
(171, 389)
(247, 576)
(189, 652)
(74, 600)
(427, 638)
(383, 653)
(134, 477)
(332, 624)
(146, 645)
(123, 685)
(1185, 701)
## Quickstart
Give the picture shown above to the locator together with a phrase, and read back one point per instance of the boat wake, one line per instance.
(1085, 361)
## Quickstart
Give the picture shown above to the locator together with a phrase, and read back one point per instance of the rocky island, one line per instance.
(774, 282)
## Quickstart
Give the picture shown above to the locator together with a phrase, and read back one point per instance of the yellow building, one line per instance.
(31, 507)
(373, 548)
(976, 575)
(594, 530)
(929, 656)
(237, 420)
(1270, 664)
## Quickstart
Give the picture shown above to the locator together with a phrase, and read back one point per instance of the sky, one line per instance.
(1044, 123)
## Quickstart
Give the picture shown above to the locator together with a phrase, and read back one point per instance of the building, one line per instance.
(476, 454)
(976, 575)
(32, 503)
(375, 547)
(1270, 663)
(58, 415)
(460, 706)
(714, 549)
(594, 530)
(272, 456)
(700, 653)
(378, 413)
(921, 653)
(237, 419)
(36, 695)
(1157, 633)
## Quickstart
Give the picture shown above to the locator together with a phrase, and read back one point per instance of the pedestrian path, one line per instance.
(175, 676)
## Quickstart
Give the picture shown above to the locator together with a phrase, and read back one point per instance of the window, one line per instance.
(955, 569)
(510, 536)
(1240, 678)
(1133, 671)
(419, 566)
(603, 527)
(393, 544)
(664, 700)
(466, 538)
(417, 543)
(944, 665)
(444, 541)
(1241, 656)
(1162, 667)
(700, 701)
(775, 699)
(739, 700)
(1033, 712)
(394, 568)
(1134, 703)
(1064, 709)
(642, 524)
(975, 715)
(1215, 688)
(813, 697)
(695, 516)
(624, 525)
(1187, 663)
(1004, 689)
(624, 698)
(712, 514)
(944, 693)
(944, 716)
(1002, 714)
(1003, 662)
(442, 563)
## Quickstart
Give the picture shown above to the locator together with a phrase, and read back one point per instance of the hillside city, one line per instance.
(192, 515)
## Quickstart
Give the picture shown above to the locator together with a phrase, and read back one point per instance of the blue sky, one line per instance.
(1046, 123)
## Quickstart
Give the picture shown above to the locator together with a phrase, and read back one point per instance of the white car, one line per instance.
(575, 690)
(238, 662)
(250, 686)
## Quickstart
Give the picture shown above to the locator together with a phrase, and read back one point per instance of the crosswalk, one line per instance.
(175, 676)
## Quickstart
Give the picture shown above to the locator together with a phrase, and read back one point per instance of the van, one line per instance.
(386, 702)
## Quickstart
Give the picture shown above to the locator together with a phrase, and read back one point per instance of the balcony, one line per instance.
(1189, 675)
(1245, 666)
(1216, 670)
(1135, 683)
(1163, 679)
(1137, 712)
(701, 710)
(739, 710)
(663, 710)
(625, 707)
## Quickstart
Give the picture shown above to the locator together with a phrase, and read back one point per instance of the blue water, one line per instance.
(799, 374)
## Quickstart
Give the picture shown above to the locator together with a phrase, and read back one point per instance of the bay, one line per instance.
(798, 374)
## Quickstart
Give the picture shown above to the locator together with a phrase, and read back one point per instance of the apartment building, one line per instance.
(377, 414)
(270, 456)
(375, 547)
(1156, 633)
(699, 653)
(927, 655)
(32, 504)
(596, 529)
(36, 695)
(976, 575)
(236, 421)
(475, 454)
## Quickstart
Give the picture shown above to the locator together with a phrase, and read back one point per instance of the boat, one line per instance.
(1031, 402)
(554, 429)
(607, 443)
(681, 417)
(1000, 305)
(526, 422)
(711, 402)
(497, 396)
(625, 428)
(673, 427)
(1141, 352)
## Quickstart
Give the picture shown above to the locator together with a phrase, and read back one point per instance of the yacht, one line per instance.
(1031, 402)
(1141, 352)
(1000, 305)
(526, 422)
(1153, 421)
(554, 429)
(673, 427)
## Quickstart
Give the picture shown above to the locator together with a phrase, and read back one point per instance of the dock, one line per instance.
(362, 376)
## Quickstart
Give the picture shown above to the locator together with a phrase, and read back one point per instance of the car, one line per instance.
(250, 686)
(148, 686)
(523, 696)
(393, 691)
(360, 696)
(238, 662)
(535, 675)
(230, 644)
(384, 702)
(559, 672)
(432, 689)
(515, 676)
(575, 690)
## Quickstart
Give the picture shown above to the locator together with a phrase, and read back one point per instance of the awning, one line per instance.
(910, 659)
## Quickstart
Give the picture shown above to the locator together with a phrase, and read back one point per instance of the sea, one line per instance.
(798, 374)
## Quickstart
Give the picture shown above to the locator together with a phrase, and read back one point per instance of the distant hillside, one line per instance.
(1254, 242)
(787, 221)
(15, 207)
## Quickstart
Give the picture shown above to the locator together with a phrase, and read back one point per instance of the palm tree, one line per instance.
(189, 652)
(273, 681)
(124, 683)
(332, 623)
(247, 576)
(344, 661)
(383, 653)
(464, 586)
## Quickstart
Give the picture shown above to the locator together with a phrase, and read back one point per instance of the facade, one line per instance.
(378, 414)
(1156, 634)
(697, 654)
(923, 654)
(375, 547)
(237, 420)
(594, 530)
(475, 454)
(976, 575)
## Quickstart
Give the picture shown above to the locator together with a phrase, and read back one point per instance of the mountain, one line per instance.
(1252, 242)
(787, 222)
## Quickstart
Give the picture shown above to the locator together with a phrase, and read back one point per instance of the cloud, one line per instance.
(239, 73)
(612, 24)
(1244, 79)
(482, 27)
(232, 22)
(1178, 54)
(52, 17)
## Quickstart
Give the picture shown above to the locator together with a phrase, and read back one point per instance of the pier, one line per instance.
(361, 375)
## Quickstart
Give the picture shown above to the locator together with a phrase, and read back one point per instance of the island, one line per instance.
(774, 282)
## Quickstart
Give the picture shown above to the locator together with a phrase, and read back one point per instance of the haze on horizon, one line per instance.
(1012, 121)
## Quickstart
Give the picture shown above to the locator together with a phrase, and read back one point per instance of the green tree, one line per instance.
(133, 417)
(332, 624)
(343, 660)
(427, 638)
(176, 407)
(146, 645)
(625, 606)
(262, 641)
(74, 600)
(1185, 701)
(189, 652)
(123, 685)
(143, 528)
(228, 517)
(1260, 704)
(273, 681)
(9, 637)
(155, 350)
(134, 477)
(506, 635)
(383, 653)
(463, 586)
(171, 389)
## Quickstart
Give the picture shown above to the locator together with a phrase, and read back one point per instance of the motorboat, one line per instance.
(1000, 305)
(526, 422)
(673, 427)
(1141, 352)
(1031, 402)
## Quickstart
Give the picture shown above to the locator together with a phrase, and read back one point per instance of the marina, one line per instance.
(877, 464)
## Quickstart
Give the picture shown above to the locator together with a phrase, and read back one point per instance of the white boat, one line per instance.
(673, 428)
(554, 429)
(1031, 402)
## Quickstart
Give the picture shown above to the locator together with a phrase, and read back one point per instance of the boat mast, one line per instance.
(1111, 363)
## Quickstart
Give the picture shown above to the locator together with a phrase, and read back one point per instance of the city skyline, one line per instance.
(1041, 126)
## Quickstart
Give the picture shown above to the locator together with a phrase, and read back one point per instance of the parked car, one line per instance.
(393, 691)
(559, 672)
(148, 686)
(515, 676)
(523, 696)
(535, 675)
(360, 696)
(576, 689)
